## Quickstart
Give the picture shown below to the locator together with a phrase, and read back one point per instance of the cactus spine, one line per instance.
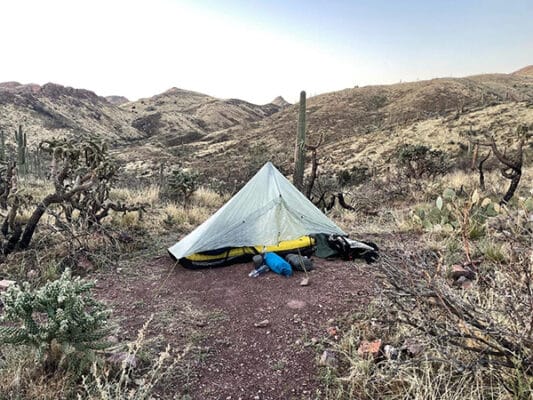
(299, 151)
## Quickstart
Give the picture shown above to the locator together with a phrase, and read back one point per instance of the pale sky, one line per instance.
(256, 50)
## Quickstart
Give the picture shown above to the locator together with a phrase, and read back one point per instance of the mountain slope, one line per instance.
(368, 123)
(226, 137)
(526, 71)
(117, 100)
(179, 116)
(53, 110)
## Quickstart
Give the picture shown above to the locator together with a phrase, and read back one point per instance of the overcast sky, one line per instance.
(256, 50)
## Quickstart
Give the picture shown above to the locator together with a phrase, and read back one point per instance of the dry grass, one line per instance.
(147, 195)
(129, 383)
(21, 377)
(207, 198)
(444, 370)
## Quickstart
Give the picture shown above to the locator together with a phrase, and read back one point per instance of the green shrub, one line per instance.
(58, 319)
(354, 176)
(417, 161)
(180, 185)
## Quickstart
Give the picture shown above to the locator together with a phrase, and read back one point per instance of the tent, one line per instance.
(268, 210)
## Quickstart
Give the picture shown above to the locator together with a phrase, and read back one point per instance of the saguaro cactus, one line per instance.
(20, 137)
(299, 151)
(2, 147)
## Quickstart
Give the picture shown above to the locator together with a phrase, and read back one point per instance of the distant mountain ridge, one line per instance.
(364, 126)
(117, 100)
(53, 110)
(360, 125)
(178, 115)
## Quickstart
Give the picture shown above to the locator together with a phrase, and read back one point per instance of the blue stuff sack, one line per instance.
(277, 264)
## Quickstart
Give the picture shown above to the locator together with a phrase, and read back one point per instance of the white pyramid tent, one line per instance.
(266, 211)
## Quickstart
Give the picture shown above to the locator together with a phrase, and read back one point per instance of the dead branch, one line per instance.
(314, 164)
(513, 166)
(481, 173)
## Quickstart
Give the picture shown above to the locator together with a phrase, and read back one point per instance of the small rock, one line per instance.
(369, 348)
(298, 342)
(130, 361)
(328, 359)
(314, 340)
(304, 282)
(459, 271)
(32, 274)
(413, 347)
(331, 321)
(391, 353)
(5, 284)
(464, 283)
(200, 323)
(262, 324)
(296, 304)
(332, 330)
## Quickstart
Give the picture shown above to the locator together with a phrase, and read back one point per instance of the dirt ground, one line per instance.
(218, 310)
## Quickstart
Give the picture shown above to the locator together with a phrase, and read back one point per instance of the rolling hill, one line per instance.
(177, 116)
(53, 110)
(526, 71)
(361, 125)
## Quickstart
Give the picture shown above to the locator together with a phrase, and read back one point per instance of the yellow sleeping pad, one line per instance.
(233, 255)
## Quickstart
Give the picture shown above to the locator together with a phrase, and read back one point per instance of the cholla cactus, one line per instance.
(61, 313)
(181, 185)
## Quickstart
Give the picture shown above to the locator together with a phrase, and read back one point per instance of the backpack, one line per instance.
(349, 249)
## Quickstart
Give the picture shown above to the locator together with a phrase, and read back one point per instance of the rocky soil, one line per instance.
(254, 338)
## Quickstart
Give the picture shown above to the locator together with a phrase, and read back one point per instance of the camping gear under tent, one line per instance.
(267, 214)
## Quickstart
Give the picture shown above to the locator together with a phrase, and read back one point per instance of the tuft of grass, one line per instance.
(495, 252)
(21, 377)
(147, 195)
(207, 198)
(130, 383)
(126, 220)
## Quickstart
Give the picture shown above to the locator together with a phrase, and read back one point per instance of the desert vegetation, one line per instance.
(444, 188)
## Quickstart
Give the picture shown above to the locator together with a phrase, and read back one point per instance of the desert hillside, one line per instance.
(526, 71)
(360, 125)
(53, 110)
(170, 119)
(178, 116)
